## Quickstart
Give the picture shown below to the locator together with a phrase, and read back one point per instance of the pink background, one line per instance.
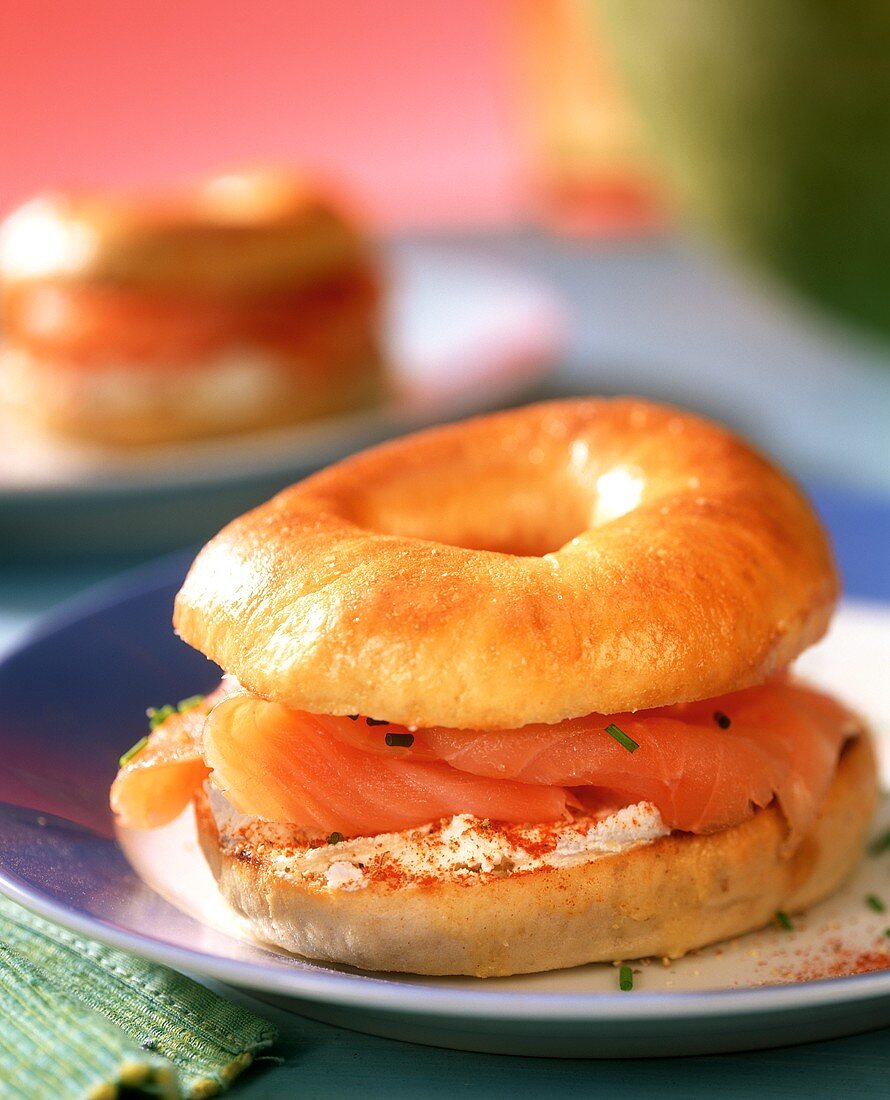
(408, 101)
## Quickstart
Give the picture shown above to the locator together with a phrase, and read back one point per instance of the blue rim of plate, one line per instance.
(334, 987)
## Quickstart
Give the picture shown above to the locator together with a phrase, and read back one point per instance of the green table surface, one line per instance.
(322, 1061)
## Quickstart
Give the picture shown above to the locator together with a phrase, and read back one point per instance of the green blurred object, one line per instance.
(771, 120)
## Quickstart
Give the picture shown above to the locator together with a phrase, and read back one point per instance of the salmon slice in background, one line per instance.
(91, 326)
(330, 773)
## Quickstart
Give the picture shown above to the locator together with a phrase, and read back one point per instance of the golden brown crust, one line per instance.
(661, 899)
(241, 233)
(481, 575)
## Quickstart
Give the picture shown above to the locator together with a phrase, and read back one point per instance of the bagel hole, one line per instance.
(492, 514)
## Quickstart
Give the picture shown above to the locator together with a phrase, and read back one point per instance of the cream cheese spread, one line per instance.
(460, 848)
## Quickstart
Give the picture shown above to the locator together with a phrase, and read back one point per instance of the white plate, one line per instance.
(77, 691)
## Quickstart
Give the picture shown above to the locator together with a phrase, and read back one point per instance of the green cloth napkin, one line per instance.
(78, 1019)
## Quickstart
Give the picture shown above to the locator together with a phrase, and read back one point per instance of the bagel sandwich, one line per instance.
(249, 301)
(512, 695)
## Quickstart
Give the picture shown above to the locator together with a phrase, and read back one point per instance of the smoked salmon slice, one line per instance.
(158, 780)
(283, 765)
(705, 766)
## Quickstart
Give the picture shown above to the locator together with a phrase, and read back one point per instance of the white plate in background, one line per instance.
(464, 334)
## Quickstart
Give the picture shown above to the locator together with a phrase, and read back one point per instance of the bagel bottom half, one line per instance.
(664, 898)
(126, 405)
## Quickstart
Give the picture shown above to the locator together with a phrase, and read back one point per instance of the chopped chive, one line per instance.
(874, 902)
(158, 715)
(377, 721)
(625, 979)
(887, 932)
(621, 737)
(133, 751)
(879, 844)
(335, 838)
(784, 921)
(402, 740)
(722, 719)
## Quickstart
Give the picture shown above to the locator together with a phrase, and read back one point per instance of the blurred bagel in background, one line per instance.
(250, 301)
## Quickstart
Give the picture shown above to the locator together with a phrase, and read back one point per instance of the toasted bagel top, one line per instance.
(538, 564)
